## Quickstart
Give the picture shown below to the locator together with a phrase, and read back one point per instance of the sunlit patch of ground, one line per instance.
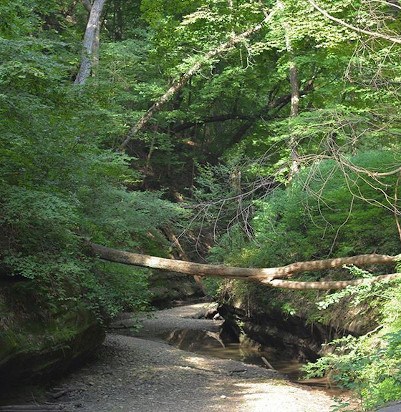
(131, 374)
(264, 397)
(260, 394)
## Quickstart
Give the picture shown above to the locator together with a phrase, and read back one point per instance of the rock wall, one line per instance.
(36, 340)
(283, 336)
(168, 287)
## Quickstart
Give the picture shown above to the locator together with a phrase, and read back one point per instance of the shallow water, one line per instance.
(291, 368)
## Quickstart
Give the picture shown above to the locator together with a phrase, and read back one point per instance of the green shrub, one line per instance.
(370, 364)
(61, 184)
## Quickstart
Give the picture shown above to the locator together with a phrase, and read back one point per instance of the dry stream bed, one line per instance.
(139, 371)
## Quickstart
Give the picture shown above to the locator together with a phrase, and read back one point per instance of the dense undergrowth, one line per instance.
(324, 213)
(61, 184)
(369, 364)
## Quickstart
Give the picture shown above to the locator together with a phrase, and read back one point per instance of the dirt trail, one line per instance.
(136, 374)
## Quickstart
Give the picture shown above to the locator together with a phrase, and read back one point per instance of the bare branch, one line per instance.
(354, 28)
(211, 119)
(390, 4)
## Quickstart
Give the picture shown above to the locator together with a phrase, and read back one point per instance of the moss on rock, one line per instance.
(46, 341)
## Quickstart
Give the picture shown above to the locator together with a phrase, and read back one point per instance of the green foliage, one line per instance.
(213, 286)
(358, 294)
(329, 210)
(115, 288)
(16, 18)
(60, 184)
(370, 364)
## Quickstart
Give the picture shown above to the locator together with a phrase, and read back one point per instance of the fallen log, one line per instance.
(268, 276)
(331, 284)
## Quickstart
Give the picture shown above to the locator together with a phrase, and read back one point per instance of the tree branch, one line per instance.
(277, 104)
(211, 119)
(178, 85)
(353, 28)
(329, 285)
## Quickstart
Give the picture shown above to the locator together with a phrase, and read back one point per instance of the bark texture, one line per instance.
(91, 42)
(268, 276)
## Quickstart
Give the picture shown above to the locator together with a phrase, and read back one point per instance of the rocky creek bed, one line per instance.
(143, 373)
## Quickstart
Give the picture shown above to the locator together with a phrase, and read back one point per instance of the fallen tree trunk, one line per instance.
(268, 276)
(331, 284)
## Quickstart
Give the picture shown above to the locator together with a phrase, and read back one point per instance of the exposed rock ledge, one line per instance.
(35, 344)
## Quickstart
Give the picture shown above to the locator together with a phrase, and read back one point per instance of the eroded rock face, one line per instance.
(37, 341)
(167, 287)
(282, 337)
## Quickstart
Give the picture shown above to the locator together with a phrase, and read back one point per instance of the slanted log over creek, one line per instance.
(187, 358)
(267, 276)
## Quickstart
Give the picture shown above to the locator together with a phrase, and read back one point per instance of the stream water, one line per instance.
(235, 351)
(289, 367)
(190, 328)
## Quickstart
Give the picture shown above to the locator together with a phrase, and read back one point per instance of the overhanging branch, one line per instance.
(183, 80)
(354, 28)
(330, 285)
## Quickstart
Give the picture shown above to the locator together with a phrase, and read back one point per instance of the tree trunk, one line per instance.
(90, 43)
(294, 83)
(267, 276)
(178, 85)
(293, 142)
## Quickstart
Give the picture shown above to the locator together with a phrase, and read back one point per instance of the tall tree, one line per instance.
(91, 42)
